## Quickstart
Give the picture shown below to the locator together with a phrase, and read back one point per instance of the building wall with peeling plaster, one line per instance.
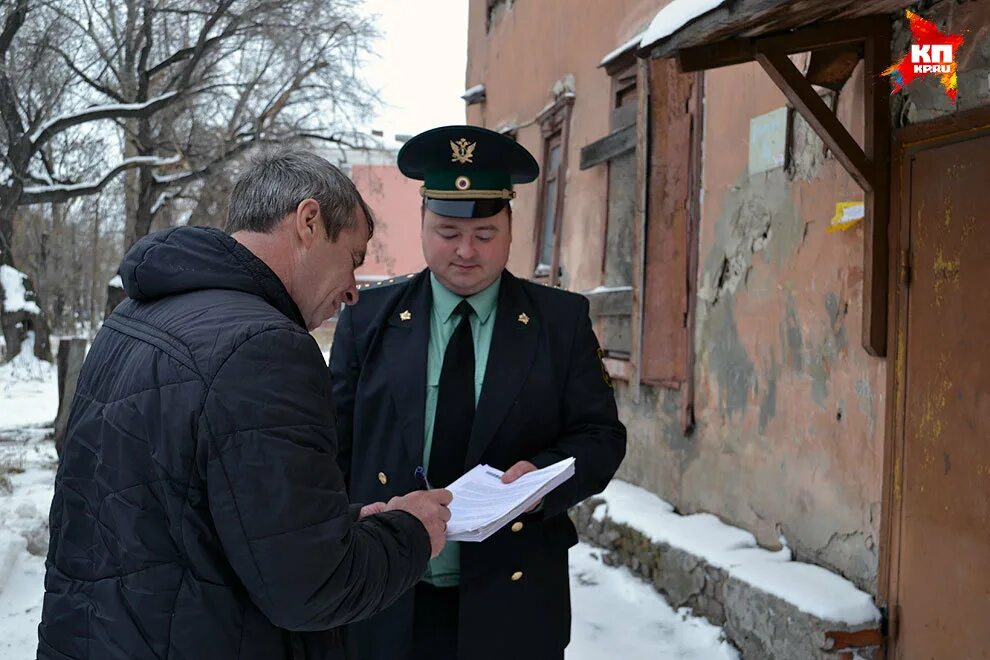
(789, 407)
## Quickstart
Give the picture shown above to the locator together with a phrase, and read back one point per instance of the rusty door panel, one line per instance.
(944, 569)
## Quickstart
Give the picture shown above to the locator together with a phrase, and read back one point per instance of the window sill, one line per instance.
(619, 369)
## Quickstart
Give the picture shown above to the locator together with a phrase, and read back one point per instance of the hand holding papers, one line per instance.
(482, 504)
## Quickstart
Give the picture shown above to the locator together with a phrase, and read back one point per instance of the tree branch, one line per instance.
(13, 23)
(62, 193)
(94, 113)
(95, 84)
(209, 168)
(181, 55)
(182, 78)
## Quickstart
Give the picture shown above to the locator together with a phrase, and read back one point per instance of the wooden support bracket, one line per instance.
(839, 640)
(876, 138)
(806, 100)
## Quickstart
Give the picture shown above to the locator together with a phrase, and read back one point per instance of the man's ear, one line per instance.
(307, 221)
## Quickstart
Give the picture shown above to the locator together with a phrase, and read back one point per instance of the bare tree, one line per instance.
(242, 72)
(173, 90)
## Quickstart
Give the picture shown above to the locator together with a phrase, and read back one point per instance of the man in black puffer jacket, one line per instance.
(198, 509)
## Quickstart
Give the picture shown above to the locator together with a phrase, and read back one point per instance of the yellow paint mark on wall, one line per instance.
(953, 171)
(946, 272)
(930, 425)
(847, 215)
(969, 227)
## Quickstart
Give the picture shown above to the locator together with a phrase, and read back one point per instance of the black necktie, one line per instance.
(455, 404)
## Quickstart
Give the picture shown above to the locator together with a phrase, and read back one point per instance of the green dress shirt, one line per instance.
(444, 570)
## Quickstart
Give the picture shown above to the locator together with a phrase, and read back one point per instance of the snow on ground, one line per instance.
(615, 615)
(810, 588)
(28, 389)
(23, 537)
(28, 403)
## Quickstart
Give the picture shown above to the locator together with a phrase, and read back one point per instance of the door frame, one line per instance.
(907, 141)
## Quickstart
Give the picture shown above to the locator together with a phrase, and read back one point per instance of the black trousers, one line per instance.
(435, 625)
(435, 622)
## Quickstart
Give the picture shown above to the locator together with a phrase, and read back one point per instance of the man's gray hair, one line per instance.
(278, 180)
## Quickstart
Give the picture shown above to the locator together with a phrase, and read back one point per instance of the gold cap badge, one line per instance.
(463, 151)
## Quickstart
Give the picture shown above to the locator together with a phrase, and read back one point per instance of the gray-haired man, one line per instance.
(198, 510)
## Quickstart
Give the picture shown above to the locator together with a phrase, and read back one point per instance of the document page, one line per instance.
(482, 504)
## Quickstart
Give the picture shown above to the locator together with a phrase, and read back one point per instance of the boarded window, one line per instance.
(612, 305)
(617, 266)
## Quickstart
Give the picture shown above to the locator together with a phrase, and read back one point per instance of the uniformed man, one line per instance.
(463, 364)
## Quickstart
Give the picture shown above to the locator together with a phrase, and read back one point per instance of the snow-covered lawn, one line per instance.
(28, 459)
(28, 390)
(615, 615)
(28, 402)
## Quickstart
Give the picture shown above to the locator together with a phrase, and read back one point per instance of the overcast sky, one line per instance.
(419, 71)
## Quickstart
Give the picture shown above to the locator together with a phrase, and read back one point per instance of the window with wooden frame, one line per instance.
(554, 125)
(611, 304)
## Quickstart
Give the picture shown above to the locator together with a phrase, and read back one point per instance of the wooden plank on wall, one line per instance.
(608, 147)
(610, 303)
(876, 138)
(665, 329)
(643, 137)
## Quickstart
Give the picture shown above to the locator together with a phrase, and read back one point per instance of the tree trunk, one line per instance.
(95, 272)
(15, 326)
(8, 208)
(71, 353)
(132, 186)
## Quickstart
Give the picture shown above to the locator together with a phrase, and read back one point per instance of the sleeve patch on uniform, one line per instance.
(601, 361)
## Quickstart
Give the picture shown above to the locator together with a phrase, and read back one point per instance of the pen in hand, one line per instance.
(424, 483)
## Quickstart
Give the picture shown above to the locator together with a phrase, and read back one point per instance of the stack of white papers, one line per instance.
(482, 504)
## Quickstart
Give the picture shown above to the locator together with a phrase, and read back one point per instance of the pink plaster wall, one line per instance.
(395, 249)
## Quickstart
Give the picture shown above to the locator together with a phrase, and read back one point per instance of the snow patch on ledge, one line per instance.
(623, 49)
(674, 16)
(474, 94)
(606, 289)
(14, 292)
(811, 589)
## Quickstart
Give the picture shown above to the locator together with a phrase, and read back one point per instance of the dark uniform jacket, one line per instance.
(545, 397)
(198, 509)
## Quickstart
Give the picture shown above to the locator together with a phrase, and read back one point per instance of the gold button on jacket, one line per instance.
(517, 576)
(517, 526)
(382, 478)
